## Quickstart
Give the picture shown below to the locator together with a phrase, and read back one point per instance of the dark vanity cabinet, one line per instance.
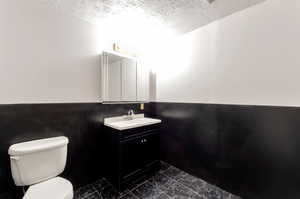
(131, 154)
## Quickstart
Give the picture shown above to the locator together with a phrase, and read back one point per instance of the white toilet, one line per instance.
(37, 164)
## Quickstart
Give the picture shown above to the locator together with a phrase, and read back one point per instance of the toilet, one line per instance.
(37, 164)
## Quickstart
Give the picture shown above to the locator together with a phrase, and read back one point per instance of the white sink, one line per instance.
(123, 123)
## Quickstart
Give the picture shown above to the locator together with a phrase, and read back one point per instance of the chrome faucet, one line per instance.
(130, 114)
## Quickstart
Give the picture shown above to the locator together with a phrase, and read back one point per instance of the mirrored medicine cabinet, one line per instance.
(123, 79)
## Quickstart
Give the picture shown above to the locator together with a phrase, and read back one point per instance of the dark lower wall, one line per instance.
(81, 123)
(253, 151)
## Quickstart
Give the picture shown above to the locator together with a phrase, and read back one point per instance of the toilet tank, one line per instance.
(39, 160)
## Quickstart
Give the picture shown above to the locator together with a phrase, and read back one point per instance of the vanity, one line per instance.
(131, 142)
(132, 149)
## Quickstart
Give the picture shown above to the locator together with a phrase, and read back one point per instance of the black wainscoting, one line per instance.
(81, 123)
(252, 151)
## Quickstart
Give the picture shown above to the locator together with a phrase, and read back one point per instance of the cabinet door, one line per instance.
(142, 83)
(129, 80)
(138, 153)
(150, 149)
(131, 156)
(114, 81)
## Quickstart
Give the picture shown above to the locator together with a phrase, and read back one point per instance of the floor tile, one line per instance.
(169, 183)
(134, 184)
(213, 194)
(100, 185)
(226, 195)
(129, 195)
(93, 196)
(163, 196)
(109, 192)
(193, 183)
(84, 192)
(126, 191)
(164, 166)
(174, 173)
(159, 179)
(178, 191)
(197, 196)
(147, 190)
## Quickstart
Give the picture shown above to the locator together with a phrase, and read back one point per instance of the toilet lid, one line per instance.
(55, 188)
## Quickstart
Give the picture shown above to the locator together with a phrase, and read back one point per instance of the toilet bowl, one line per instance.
(37, 164)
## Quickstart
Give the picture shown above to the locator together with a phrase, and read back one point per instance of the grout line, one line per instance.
(180, 182)
(169, 178)
(88, 195)
(134, 188)
(134, 195)
(164, 191)
(98, 192)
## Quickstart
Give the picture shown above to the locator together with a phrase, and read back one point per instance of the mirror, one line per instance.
(123, 79)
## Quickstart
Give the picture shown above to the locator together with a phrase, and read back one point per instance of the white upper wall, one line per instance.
(251, 57)
(46, 56)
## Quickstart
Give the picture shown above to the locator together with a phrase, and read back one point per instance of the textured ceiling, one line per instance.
(179, 15)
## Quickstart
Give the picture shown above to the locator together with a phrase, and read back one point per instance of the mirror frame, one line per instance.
(104, 75)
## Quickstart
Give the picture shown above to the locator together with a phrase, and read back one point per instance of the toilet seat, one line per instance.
(55, 188)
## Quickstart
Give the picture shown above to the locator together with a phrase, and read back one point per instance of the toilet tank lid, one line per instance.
(37, 145)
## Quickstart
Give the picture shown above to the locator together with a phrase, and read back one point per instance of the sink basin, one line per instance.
(123, 123)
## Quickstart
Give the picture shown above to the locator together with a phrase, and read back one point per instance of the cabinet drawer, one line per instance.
(130, 133)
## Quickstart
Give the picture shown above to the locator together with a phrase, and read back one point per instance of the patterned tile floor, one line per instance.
(168, 183)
